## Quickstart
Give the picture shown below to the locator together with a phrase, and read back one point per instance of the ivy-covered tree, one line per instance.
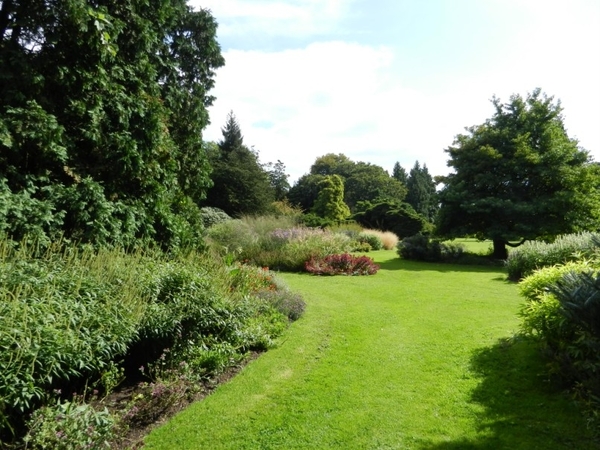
(102, 107)
(422, 195)
(518, 177)
(330, 201)
(240, 183)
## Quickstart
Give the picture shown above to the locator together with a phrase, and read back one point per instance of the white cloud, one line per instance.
(275, 17)
(341, 97)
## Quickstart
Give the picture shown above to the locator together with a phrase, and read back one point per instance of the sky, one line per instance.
(386, 81)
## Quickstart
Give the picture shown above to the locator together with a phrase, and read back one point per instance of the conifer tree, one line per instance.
(330, 202)
(421, 192)
(240, 183)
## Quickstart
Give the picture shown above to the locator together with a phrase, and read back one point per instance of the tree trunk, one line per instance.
(500, 251)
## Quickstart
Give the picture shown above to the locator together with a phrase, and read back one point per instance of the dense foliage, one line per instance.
(102, 109)
(362, 182)
(523, 261)
(89, 318)
(562, 312)
(399, 218)
(519, 176)
(330, 202)
(275, 242)
(421, 192)
(241, 184)
(422, 248)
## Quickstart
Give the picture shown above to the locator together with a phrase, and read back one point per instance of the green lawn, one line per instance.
(474, 245)
(415, 357)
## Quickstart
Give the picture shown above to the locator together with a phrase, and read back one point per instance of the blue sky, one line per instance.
(384, 81)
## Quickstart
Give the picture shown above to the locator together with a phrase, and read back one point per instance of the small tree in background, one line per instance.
(330, 202)
(422, 195)
(400, 174)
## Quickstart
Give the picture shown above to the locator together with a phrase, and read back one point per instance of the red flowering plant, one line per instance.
(342, 264)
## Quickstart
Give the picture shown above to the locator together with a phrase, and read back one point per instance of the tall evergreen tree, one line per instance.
(422, 194)
(240, 183)
(399, 173)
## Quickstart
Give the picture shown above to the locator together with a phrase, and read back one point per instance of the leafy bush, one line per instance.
(370, 238)
(70, 316)
(70, 425)
(562, 312)
(420, 248)
(344, 264)
(286, 302)
(451, 252)
(64, 317)
(213, 216)
(533, 255)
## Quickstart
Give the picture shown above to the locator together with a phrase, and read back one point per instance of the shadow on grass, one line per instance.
(418, 266)
(521, 409)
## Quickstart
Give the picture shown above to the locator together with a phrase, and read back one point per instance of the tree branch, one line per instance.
(515, 245)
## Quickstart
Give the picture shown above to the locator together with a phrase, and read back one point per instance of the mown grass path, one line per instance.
(415, 357)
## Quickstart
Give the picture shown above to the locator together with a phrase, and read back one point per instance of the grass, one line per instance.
(474, 245)
(418, 356)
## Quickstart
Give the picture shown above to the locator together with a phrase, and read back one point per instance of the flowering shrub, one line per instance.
(250, 279)
(344, 264)
(70, 426)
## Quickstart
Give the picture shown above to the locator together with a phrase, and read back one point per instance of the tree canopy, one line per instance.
(102, 107)
(519, 176)
(241, 185)
(362, 182)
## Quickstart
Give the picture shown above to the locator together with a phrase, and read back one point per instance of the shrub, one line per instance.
(344, 264)
(66, 316)
(70, 425)
(212, 216)
(70, 315)
(370, 238)
(533, 255)
(562, 312)
(234, 236)
(286, 302)
(420, 248)
(451, 252)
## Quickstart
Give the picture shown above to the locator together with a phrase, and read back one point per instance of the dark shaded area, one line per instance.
(478, 263)
(523, 409)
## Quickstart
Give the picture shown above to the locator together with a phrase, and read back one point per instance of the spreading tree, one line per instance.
(518, 177)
